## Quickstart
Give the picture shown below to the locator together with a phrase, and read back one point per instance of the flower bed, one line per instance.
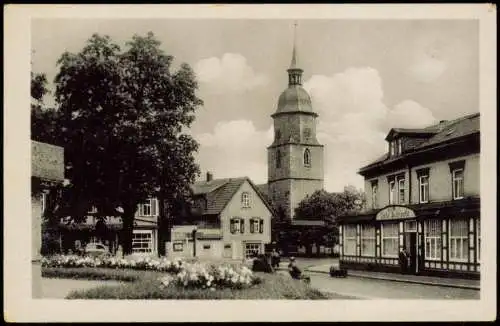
(178, 273)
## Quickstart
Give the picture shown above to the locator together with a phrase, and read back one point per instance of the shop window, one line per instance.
(459, 240)
(478, 237)
(423, 187)
(389, 239)
(350, 240)
(142, 241)
(367, 240)
(251, 249)
(245, 200)
(432, 238)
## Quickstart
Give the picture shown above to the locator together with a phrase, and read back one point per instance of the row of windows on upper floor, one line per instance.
(237, 225)
(398, 191)
(306, 158)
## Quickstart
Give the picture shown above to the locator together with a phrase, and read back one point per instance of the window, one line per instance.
(374, 193)
(278, 135)
(350, 240)
(458, 238)
(254, 225)
(149, 208)
(392, 190)
(178, 246)
(432, 235)
(458, 183)
(92, 210)
(237, 225)
(251, 249)
(142, 241)
(401, 191)
(307, 133)
(392, 148)
(245, 200)
(278, 159)
(389, 239)
(478, 237)
(400, 146)
(307, 157)
(367, 240)
(206, 246)
(423, 186)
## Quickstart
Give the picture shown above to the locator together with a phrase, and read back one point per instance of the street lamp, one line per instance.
(194, 240)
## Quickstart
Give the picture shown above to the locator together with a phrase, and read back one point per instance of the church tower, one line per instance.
(295, 158)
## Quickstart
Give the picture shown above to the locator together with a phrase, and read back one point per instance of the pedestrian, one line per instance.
(275, 258)
(403, 260)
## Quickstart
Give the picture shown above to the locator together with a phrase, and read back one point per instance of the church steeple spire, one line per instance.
(294, 73)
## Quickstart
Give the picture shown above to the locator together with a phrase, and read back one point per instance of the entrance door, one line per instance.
(411, 247)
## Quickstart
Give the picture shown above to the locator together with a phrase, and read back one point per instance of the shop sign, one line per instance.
(395, 213)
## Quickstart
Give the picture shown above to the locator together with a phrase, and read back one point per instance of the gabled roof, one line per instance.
(219, 192)
(442, 132)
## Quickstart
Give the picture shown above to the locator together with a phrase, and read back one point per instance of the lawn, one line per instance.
(146, 285)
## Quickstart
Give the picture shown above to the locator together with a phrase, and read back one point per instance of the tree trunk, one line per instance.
(162, 218)
(128, 228)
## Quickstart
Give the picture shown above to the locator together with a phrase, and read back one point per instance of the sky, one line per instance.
(364, 77)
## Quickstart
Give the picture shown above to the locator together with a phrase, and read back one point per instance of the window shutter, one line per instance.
(261, 226)
(231, 226)
(242, 226)
(252, 229)
(154, 204)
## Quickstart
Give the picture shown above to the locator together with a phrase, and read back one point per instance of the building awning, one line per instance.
(467, 207)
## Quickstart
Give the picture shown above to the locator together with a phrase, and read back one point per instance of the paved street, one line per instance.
(380, 289)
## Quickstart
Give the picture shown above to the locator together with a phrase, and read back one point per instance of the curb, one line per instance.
(459, 286)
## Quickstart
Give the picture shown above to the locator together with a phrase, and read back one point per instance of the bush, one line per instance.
(90, 273)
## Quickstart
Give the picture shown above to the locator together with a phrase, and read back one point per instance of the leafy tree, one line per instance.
(123, 118)
(325, 206)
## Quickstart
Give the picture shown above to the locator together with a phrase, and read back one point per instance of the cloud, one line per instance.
(427, 68)
(410, 114)
(234, 149)
(229, 73)
(354, 120)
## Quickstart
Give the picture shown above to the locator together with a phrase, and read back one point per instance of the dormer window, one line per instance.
(395, 147)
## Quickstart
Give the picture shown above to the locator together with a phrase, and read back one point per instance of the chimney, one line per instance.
(442, 124)
(210, 176)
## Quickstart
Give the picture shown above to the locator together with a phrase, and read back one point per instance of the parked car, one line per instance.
(96, 250)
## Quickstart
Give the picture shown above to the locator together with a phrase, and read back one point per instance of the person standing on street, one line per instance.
(403, 260)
